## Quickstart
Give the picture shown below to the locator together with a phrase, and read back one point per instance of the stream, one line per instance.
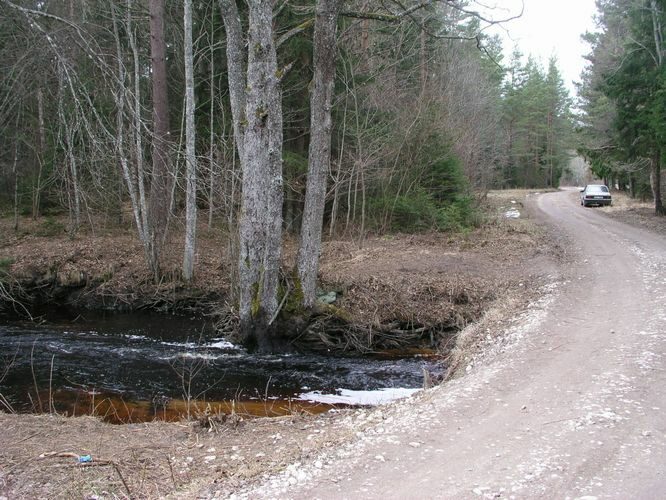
(131, 367)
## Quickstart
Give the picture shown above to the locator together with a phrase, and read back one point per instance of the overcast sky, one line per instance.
(549, 27)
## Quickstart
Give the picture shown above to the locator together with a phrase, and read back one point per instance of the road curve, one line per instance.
(575, 408)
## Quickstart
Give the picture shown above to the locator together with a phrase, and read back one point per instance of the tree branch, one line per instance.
(294, 31)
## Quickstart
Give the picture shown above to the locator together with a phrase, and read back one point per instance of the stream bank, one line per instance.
(143, 366)
(402, 279)
(393, 292)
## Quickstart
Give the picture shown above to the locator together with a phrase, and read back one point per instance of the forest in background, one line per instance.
(623, 97)
(147, 112)
(419, 121)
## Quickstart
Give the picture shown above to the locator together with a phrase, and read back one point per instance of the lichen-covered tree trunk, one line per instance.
(260, 228)
(236, 68)
(319, 156)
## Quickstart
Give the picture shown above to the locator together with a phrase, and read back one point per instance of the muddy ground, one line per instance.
(499, 268)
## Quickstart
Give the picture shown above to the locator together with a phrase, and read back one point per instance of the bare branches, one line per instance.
(40, 13)
(403, 11)
(475, 13)
(394, 16)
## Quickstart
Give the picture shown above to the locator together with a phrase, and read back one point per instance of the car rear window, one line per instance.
(597, 189)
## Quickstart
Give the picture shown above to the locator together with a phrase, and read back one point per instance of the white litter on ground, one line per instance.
(358, 398)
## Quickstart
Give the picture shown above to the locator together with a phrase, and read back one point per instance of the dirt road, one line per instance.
(570, 405)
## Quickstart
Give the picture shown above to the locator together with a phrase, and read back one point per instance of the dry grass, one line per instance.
(152, 460)
(635, 212)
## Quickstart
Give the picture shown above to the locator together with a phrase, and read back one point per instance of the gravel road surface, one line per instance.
(571, 405)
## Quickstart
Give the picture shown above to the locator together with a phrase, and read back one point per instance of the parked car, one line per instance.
(595, 194)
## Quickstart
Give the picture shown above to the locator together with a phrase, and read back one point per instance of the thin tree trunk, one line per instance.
(190, 153)
(121, 97)
(655, 174)
(231, 194)
(138, 135)
(423, 66)
(352, 204)
(655, 183)
(657, 32)
(36, 196)
(211, 180)
(319, 155)
(74, 173)
(338, 175)
(260, 228)
(70, 160)
(15, 173)
(361, 238)
(160, 181)
(211, 126)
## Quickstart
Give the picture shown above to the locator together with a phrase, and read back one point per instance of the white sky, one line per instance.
(549, 27)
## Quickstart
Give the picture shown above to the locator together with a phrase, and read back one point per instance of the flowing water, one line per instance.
(141, 366)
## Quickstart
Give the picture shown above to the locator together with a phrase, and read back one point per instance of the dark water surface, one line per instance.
(140, 366)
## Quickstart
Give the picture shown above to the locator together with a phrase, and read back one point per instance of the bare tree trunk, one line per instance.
(423, 66)
(74, 173)
(160, 181)
(655, 183)
(237, 79)
(231, 195)
(15, 173)
(211, 179)
(36, 195)
(190, 153)
(361, 237)
(260, 228)
(138, 135)
(657, 32)
(121, 97)
(211, 126)
(235, 68)
(351, 201)
(319, 155)
(655, 173)
(338, 175)
(70, 159)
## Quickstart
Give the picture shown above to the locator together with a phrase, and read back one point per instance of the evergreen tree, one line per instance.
(537, 120)
(623, 95)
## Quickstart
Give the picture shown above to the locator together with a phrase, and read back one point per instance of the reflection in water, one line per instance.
(138, 367)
